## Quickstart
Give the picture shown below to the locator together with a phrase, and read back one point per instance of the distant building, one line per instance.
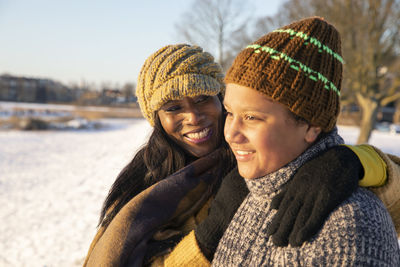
(23, 89)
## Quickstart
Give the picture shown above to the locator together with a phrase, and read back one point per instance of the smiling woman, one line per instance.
(193, 123)
(179, 92)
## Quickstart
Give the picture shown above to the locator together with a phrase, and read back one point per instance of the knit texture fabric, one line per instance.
(186, 253)
(358, 233)
(298, 65)
(174, 72)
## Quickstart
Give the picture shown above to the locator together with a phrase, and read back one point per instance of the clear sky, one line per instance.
(90, 40)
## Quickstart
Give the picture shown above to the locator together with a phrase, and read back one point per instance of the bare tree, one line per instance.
(370, 31)
(215, 25)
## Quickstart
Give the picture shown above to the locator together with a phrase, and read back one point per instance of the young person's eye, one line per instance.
(228, 114)
(250, 118)
(201, 99)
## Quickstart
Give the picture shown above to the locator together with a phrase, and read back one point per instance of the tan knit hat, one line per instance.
(174, 72)
(298, 65)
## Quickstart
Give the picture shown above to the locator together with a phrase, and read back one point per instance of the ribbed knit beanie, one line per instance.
(174, 72)
(299, 66)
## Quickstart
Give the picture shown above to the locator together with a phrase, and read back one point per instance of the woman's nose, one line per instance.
(194, 116)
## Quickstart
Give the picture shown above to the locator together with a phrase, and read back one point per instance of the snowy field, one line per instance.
(52, 185)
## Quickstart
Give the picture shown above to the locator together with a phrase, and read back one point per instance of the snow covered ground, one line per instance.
(52, 185)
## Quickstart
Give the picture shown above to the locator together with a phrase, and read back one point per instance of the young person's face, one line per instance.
(194, 123)
(261, 133)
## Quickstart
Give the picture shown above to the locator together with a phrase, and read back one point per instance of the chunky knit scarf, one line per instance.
(358, 233)
(155, 216)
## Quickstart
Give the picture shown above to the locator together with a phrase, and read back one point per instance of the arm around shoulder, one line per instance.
(389, 193)
(382, 176)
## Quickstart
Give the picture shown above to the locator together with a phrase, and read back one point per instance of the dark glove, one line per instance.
(317, 188)
(230, 195)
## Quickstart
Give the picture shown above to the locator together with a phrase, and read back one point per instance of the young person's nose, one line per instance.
(232, 131)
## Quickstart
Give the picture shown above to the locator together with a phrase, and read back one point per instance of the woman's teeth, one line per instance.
(203, 133)
(242, 153)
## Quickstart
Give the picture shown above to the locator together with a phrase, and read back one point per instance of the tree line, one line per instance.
(37, 90)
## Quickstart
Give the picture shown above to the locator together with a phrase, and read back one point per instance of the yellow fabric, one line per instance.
(174, 72)
(375, 169)
(186, 253)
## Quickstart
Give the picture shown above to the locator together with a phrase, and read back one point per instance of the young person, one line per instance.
(156, 199)
(282, 102)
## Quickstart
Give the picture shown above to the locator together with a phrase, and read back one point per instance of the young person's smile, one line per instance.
(194, 123)
(261, 133)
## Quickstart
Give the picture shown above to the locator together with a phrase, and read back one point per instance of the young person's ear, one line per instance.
(312, 133)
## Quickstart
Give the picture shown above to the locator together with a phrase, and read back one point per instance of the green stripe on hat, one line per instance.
(296, 65)
(313, 41)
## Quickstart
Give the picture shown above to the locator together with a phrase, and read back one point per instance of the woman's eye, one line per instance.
(201, 98)
(172, 108)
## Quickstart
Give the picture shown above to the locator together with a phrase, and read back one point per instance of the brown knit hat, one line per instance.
(298, 65)
(176, 71)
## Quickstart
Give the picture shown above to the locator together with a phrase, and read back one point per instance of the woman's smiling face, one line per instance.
(262, 133)
(194, 123)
